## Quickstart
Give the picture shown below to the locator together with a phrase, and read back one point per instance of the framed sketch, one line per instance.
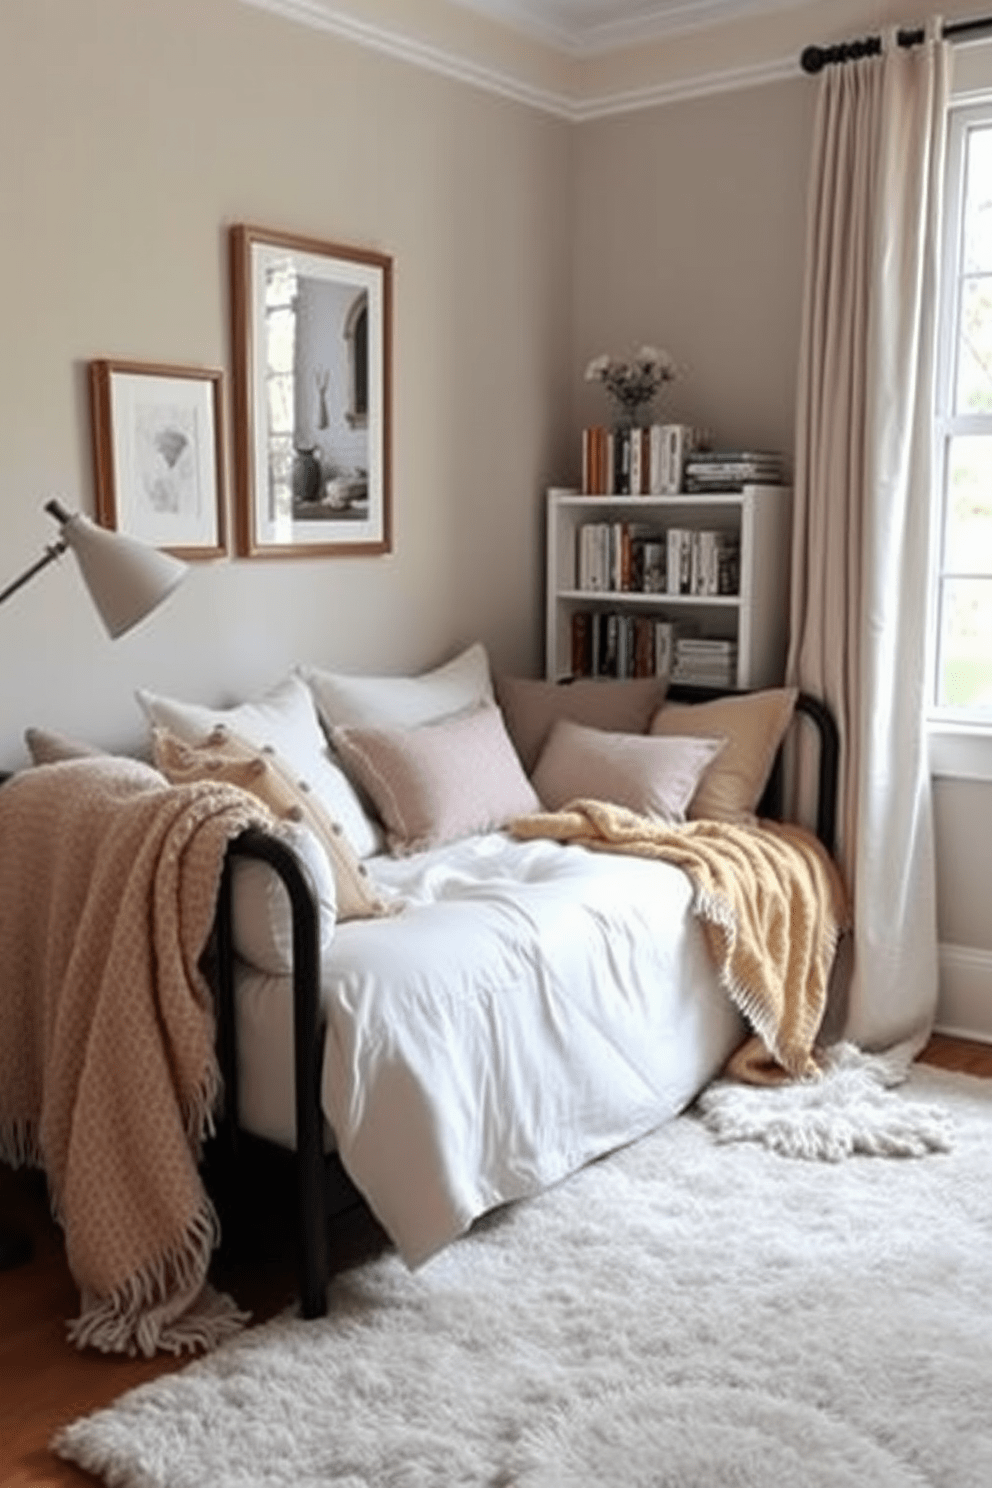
(312, 395)
(158, 454)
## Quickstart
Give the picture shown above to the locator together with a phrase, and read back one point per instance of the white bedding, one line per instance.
(532, 1007)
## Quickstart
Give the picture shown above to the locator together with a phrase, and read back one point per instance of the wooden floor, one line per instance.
(45, 1382)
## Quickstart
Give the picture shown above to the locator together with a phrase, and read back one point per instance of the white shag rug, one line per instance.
(850, 1109)
(683, 1314)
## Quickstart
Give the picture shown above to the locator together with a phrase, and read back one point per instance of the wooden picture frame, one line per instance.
(312, 331)
(158, 454)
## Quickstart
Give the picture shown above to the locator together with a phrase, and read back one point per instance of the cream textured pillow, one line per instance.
(441, 781)
(285, 720)
(224, 756)
(654, 777)
(753, 724)
(401, 702)
(531, 707)
(261, 914)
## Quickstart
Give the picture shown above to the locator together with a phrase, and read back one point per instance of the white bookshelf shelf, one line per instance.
(756, 618)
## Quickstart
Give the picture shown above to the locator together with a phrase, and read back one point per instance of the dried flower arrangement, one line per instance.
(634, 383)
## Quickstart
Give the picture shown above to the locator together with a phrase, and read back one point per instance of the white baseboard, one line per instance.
(964, 1005)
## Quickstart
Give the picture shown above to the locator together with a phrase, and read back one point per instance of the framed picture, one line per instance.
(312, 399)
(158, 454)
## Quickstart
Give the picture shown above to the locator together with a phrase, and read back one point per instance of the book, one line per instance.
(678, 571)
(580, 641)
(670, 446)
(664, 647)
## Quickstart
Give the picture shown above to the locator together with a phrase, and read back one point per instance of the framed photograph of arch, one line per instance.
(312, 395)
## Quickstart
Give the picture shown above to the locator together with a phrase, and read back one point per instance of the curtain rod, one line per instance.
(815, 58)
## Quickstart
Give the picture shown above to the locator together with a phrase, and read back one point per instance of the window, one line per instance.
(280, 352)
(961, 673)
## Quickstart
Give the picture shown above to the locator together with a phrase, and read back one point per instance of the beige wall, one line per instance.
(690, 235)
(131, 136)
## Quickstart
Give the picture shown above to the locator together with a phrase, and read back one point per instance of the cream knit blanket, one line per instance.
(108, 1075)
(771, 904)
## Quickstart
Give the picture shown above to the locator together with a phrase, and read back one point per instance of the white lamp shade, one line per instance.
(126, 579)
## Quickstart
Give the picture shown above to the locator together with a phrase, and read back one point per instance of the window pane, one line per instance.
(968, 519)
(978, 203)
(280, 284)
(280, 340)
(965, 672)
(974, 372)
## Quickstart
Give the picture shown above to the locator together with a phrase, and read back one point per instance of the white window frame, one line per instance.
(960, 744)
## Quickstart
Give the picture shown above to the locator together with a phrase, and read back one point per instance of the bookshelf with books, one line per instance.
(693, 585)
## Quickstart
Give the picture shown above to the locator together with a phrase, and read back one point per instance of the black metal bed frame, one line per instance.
(323, 1190)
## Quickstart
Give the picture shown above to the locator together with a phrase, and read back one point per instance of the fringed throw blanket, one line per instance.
(771, 904)
(108, 1075)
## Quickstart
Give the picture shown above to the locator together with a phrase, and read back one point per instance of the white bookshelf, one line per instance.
(756, 617)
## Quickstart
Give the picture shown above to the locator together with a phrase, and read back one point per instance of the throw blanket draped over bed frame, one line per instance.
(772, 906)
(108, 1075)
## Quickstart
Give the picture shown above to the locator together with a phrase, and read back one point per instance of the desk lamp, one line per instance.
(126, 581)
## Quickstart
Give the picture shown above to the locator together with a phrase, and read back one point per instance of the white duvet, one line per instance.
(532, 1007)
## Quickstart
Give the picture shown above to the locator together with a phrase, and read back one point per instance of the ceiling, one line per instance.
(596, 25)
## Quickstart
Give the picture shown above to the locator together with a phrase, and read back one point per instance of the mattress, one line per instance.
(531, 1007)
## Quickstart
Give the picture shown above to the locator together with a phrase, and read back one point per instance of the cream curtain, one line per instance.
(862, 505)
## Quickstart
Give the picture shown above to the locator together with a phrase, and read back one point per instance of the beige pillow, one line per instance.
(48, 748)
(441, 781)
(753, 725)
(261, 772)
(531, 707)
(654, 777)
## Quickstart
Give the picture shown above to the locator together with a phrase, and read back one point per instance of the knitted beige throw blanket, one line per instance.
(108, 1076)
(771, 903)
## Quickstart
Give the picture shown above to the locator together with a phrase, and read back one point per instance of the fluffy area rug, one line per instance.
(687, 1313)
(849, 1110)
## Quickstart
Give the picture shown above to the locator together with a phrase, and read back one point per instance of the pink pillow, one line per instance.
(653, 776)
(441, 781)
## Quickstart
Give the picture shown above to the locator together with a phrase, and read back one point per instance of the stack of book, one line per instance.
(612, 644)
(705, 661)
(702, 561)
(731, 470)
(619, 555)
(636, 462)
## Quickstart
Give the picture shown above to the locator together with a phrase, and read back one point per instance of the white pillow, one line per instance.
(401, 702)
(282, 719)
(261, 914)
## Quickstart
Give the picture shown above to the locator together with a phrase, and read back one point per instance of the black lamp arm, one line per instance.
(53, 551)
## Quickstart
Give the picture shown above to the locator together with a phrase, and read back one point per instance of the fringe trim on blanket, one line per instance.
(716, 909)
(19, 1146)
(166, 1306)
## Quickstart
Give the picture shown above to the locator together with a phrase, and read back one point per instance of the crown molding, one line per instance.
(321, 16)
(594, 38)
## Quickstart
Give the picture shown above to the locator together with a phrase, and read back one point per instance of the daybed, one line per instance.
(458, 1006)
